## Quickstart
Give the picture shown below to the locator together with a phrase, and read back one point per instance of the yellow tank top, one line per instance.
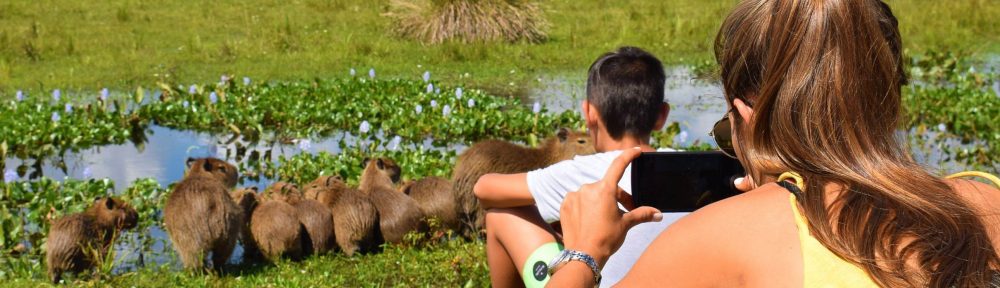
(822, 268)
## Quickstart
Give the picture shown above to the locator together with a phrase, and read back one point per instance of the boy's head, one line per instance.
(625, 87)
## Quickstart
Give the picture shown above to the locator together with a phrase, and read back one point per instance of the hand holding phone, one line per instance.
(683, 181)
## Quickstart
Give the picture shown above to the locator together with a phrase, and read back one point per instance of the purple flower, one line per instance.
(193, 89)
(536, 108)
(681, 137)
(437, 90)
(458, 92)
(394, 143)
(56, 94)
(365, 127)
(305, 144)
(434, 103)
(472, 103)
(446, 111)
(55, 117)
(430, 88)
(87, 173)
(353, 72)
(371, 73)
(943, 128)
(185, 104)
(246, 81)
(427, 76)
(224, 78)
(213, 97)
(104, 95)
(419, 109)
(69, 108)
(10, 176)
(20, 96)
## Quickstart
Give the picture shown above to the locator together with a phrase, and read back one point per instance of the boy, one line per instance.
(624, 105)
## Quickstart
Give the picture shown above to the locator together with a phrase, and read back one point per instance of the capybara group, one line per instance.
(200, 215)
(495, 156)
(398, 213)
(435, 198)
(315, 217)
(355, 219)
(78, 241)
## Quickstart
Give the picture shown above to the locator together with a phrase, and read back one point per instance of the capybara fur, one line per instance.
(398, 213)
(314, 216)
(248, 200)
(355, 219)
(495, 156)
(277, 231)
(200, 215)
(78, 241)
(435, 199)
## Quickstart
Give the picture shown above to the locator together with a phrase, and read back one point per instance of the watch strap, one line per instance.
(574, 255)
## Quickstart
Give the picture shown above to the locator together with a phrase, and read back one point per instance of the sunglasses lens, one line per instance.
(723, 134)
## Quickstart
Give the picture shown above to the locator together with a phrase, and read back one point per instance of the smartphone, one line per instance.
(683, 181)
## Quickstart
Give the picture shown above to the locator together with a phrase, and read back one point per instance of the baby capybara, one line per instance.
(355, 219)
(247, 199)
(495, 156)
(315, 217)
(200, 216)
(435, 199)
(78, 241)
(277, 231)
(398, 213)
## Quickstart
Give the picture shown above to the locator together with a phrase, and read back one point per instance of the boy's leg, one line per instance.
(512, 235)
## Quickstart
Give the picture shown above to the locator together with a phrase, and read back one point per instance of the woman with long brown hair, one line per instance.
(835, 199)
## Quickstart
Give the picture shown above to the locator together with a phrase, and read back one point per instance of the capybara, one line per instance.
(435, 199)
(495, 156)
(314, 216)
(201, 216)
(398, 213)
(355, 219)
(78, 241)
(277, 231)
(247, 199)
(281, 191)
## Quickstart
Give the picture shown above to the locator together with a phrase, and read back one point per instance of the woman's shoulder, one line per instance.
(983, 197)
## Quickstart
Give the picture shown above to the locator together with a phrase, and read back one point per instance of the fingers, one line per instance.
(617, 168)
(744, 183)
(641, 215)
(625, 199)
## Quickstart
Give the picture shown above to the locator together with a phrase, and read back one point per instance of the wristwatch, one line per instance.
(572, 255)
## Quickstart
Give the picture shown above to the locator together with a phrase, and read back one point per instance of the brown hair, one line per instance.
(824, 78)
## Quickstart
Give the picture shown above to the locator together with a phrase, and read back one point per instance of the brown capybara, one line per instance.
(398, 213)
(355, 219)
(435, 199)
(314, 216)
(78, 241)
(200, 215)
(277, 231)
(247, 199)
(495, 156)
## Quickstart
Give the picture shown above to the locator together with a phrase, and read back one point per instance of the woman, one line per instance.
(813, 88)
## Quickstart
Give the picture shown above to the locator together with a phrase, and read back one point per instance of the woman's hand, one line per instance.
(591, 220)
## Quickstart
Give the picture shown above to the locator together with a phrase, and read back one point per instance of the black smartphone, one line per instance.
(683, 181)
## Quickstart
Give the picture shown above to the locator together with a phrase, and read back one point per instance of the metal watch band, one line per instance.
(573, 255)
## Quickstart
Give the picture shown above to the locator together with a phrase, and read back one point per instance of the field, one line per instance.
(288, 109)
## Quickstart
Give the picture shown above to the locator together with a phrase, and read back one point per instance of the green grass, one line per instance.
(86, 45)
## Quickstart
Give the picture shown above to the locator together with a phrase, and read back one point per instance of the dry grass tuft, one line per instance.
(436, 21)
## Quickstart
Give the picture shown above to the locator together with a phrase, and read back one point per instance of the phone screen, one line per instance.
(683, 181)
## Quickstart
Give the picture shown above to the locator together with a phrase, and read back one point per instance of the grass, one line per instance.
(87, 45)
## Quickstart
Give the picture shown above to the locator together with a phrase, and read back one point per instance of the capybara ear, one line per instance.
(97, 199)
(563, 134)
(189, 162)
(109, 203)
(364, 163)
(381, 164)
(207, 166)
(331, 178)
(254, 188)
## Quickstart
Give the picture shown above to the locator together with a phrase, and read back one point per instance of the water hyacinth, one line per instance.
(437, 90)
(394, 143)
(353, 72)
(55, 117)
(446, 111)
(213, 97)
(681, 137)
(185, 104)
(193, 89)
(430, 88)
(20, 96)
(87, 173)
(56, 95)
(419, 109)
(69, 108)
(427, 76)
(10, 176)
(537, 108)
(371, 73)
(246, 81)
(104, 95)
(943, 128)
(365, 127)
(434, 103)
(304, 144)
(224, 78)
(458, 93)
(472, 103)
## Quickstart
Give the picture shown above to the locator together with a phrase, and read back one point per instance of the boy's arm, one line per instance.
(503, 191)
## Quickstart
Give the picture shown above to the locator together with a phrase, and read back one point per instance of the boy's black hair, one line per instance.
(626, 87)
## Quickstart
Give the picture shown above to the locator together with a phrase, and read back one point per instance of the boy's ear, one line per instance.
(661, 119)
(590, 115)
